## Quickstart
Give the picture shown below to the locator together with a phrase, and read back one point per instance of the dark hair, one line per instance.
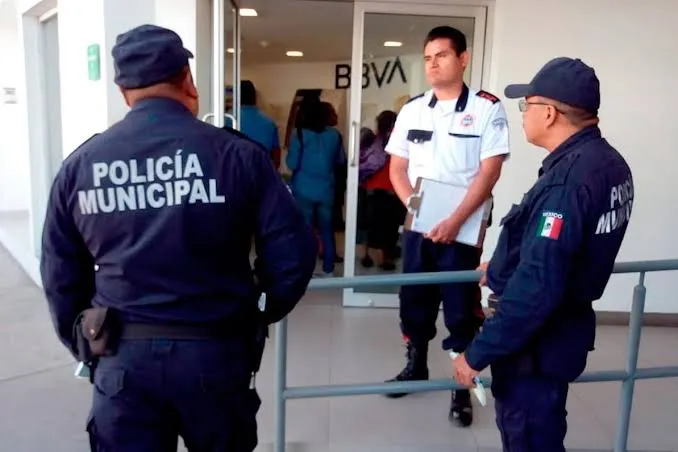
(456, 37)
(248, 93)
(311, 115)
(330, 113)
(367, 137)
(385, 122)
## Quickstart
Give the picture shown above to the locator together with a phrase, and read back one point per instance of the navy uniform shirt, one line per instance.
(554, 257)
(155, 217)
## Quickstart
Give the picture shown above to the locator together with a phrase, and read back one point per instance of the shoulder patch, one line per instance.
(550, 225)
(488, 96)
(418, 96)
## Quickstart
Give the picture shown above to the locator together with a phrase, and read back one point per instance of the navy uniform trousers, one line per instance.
(530, 412)
(419, 305)
(153, 391)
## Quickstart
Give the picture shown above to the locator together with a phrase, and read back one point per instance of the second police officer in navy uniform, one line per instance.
(554, 257)
(148, 231)
(456, 135)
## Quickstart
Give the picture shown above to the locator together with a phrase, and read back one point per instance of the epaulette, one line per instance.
(242, 136)
(87, 140)
(488, 96)
(82, 145)
(418, 96)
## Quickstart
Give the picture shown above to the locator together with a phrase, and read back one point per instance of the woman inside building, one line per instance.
(385, 212)
(314, 153)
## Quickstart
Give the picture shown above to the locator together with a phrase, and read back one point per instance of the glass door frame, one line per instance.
(351, 298)
(218, 113)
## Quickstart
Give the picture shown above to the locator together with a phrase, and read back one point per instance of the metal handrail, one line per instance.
(628, 376)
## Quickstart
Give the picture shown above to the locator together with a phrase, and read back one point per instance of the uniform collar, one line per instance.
(160, 105)
(568, 146)
(461, 101)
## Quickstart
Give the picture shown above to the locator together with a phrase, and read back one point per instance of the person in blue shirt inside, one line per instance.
(149, 229)
(314, 153)
(255, 124)
(553, 259)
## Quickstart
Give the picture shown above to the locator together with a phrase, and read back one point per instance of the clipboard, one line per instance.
(433, 201)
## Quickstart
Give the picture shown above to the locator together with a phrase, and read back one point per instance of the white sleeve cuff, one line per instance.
(398, 152)
(495, 152)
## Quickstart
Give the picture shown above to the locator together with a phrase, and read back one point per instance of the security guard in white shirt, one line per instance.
(457, 135)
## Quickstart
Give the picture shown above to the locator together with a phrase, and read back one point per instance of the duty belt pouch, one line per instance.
(100, 327)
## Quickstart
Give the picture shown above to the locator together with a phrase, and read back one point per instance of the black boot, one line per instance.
(415, 369)
(461, 411)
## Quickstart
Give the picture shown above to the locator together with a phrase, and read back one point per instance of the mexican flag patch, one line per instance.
(550, 225)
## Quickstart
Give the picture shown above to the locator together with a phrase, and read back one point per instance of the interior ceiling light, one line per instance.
(230, 50)
(294, 53)
(248, 12)
(393, 44)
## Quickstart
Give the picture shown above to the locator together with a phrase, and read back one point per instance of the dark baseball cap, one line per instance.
(148, 55)
(567, 80)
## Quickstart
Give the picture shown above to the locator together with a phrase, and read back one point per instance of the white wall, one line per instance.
(631, 45)
(277, 83)
(87, 106)
(14, 169)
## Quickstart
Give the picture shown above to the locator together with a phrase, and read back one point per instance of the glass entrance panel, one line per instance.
(388, 69)
(225, 60)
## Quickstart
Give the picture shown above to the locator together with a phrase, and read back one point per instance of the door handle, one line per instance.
(353, 143)
(234, 123)
(207, 116)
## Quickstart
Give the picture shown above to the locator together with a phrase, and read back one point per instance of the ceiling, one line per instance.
(322, 30)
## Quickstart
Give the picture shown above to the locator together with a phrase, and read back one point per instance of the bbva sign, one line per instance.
(382, 76)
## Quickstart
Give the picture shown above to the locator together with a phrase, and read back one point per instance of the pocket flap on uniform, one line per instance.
(419, 136)
(463, 135)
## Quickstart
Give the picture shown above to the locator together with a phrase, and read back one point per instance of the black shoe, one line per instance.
(461, 411)
(367, 262)
(415, 369)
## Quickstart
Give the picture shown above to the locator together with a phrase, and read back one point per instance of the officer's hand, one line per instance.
(463, 372)
(483, 268)
(445, 232)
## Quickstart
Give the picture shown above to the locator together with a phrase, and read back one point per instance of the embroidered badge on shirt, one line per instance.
(467, 120)
(550, 225)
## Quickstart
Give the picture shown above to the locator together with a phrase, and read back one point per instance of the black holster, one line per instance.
(97, 333)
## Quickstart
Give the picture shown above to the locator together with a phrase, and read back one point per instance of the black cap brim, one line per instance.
(189, 54)
(518, 91)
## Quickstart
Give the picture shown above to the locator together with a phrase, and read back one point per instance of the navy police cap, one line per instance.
(567, 80)
(147, 55)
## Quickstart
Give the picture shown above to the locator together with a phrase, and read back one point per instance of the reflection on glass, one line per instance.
(393, 71)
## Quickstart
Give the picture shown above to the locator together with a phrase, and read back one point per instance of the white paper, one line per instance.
(439, 201)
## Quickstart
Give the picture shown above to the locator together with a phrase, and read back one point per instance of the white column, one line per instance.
(91, 106)
(192, 20)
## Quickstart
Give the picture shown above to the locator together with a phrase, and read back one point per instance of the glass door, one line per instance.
(225, 57)
(387, 68)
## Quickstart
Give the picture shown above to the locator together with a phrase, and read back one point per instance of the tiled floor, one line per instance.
(43, 407)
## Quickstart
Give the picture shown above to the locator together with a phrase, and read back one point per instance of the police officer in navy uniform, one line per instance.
(554, 257)
(154, 219)
(456, 135)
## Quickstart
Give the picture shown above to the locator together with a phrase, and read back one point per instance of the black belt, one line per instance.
(178, 332)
